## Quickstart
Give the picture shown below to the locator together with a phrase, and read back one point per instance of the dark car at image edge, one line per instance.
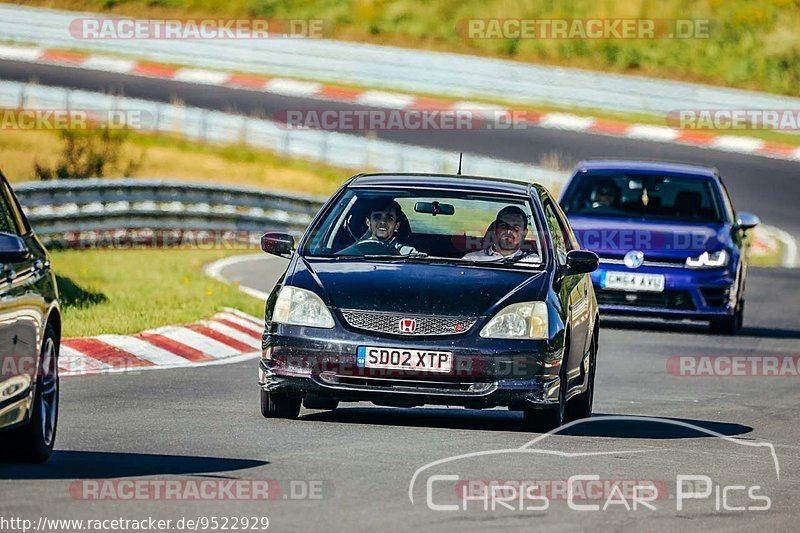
(30, 333)
(524, 336)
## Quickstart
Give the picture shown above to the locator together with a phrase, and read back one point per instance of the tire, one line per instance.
(544, 420)
(279, 406)
(581, 406)
(728, 325)
(34, 442)
(319, 402)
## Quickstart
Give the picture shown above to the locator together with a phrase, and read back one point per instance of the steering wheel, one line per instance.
(373, 247)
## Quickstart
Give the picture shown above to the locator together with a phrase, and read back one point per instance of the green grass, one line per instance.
(128, 291)
(750, 45)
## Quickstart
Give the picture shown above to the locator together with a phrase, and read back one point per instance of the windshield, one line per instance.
(426, 225)
(643, 196)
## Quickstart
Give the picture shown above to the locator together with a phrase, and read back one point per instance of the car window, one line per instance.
(556, 234)
(439, 224)
(7, 223)
(645, 196)
(16, 210)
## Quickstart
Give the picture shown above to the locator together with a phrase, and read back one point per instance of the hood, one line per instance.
(613, 237)
(417, 288)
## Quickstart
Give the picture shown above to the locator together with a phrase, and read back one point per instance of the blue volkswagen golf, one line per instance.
(671, 244)
(433, 289)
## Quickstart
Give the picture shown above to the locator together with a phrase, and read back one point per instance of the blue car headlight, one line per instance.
(716, 259)
(526, 320)
(300, 307)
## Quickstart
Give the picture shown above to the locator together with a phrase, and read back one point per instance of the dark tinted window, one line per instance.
(645, 196)
(7, 224)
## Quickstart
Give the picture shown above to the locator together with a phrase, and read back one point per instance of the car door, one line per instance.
(19, 323)
(573, 289)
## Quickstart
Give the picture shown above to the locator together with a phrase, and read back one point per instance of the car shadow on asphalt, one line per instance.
(599, 425)
(697, 329)
(97, 465)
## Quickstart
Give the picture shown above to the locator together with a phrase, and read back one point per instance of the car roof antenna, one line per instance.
(460, 156)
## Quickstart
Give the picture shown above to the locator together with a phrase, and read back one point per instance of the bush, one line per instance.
(94, 153)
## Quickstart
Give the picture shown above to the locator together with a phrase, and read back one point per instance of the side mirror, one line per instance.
(281, 244)
(12, 248)
(581, 262)
(746, 221)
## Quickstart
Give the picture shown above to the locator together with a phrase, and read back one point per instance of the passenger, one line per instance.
(506, 235)
(382, 223)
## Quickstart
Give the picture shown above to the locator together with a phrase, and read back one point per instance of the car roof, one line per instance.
(647, 166)
(444, 181)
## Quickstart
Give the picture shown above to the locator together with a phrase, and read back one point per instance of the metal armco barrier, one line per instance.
(81, 213)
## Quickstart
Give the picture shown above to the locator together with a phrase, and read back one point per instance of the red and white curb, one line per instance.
(393, 100)
(226, 337)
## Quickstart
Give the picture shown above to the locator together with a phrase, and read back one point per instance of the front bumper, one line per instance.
(688, 293)
(298, 361)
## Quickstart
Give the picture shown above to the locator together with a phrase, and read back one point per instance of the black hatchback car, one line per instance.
(30, 330)
(412, 289)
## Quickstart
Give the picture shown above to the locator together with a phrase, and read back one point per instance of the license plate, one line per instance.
(628, 281)
(404, 359)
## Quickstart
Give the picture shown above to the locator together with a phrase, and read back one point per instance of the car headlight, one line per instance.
(526, 320)
(709, 260)
(300, 307)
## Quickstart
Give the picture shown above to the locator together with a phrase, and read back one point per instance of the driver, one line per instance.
(507, 232)
(605, 194)
(382, 223)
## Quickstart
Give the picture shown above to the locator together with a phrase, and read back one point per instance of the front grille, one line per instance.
(397, 324)
(680, 300)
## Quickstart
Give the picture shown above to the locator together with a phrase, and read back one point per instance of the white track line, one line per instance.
(142, 349)
(292, 87)
(384, 99)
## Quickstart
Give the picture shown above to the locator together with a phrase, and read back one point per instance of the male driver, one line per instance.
(382, 223)
(605, 194)
(507, 234)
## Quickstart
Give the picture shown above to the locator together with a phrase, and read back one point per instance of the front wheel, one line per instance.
(34, 442)
(279, 406)
(729, 325)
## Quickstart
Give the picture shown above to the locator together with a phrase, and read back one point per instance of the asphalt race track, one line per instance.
(352, 470)
(767, 187)
(204, 424)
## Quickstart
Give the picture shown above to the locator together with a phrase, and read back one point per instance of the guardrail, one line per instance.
(98, 212)
(397, 69)
(332, 148)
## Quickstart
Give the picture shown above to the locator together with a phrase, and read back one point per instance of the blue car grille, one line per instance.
(424, 325)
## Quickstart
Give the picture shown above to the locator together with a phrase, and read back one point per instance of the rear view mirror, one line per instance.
(434, 208)
(281, 244)
(12, 248)
(581, 262)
